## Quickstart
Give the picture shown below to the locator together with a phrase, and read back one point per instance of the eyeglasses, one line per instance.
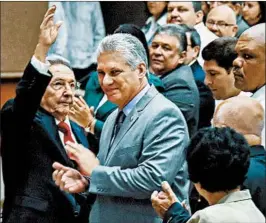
(60, 85)
(218, 24)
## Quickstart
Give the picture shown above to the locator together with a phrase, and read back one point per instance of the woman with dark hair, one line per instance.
(254, 12)
(218, 162)
(158, 16)
(93, 118)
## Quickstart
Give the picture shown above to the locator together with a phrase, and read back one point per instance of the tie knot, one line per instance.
(120, 117)
(63, 127)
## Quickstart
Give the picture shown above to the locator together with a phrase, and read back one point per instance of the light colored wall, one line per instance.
(20, 23)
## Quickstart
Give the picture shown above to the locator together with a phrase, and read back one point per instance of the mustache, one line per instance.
(237, 71)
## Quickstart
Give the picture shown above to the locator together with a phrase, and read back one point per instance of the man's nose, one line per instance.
(158, 51)
(107, 80)
(207, 80)
(238, 63)
(174, 13)
(68, 90)
(244, 9)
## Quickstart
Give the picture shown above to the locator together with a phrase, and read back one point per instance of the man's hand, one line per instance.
(161, 201)
(85, 159)
(48, 34)
(68, 179)
(81, 113)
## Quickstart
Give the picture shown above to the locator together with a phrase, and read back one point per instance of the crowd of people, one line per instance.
(170, 127)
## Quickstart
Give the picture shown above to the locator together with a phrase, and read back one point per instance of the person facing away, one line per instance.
(142, 142)
(218, 161)
(167, 55)
(246, 116)
(34, 130)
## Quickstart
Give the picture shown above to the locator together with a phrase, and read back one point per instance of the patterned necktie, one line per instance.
(119, 121)
(65, 129)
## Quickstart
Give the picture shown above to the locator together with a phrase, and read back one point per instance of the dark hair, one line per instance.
(218, 159)
(195, 37)
(263, 11)
(176, 31)
(134, 31)
(146, 10)
(222, 50)
(196, 6)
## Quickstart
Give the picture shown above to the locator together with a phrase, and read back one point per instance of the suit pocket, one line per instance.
(32, 202)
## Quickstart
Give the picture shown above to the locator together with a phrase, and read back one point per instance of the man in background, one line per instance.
(249, 66)
(190, 13)
(221, 20)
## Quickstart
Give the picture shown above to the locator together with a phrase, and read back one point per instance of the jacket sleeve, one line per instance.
(29, 92)
(176, 214)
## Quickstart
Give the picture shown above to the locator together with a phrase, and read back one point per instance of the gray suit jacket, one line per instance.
(149, 148)
(181, 89)
(236, 207)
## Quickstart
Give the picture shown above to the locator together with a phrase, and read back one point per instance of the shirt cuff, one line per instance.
(39, 66)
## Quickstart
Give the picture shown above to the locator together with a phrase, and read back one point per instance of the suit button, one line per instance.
(76, 213)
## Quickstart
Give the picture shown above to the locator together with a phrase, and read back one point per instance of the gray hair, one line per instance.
(129, 46)
(57, 59)
(176, 31)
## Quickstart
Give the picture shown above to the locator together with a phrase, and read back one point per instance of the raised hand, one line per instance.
(48, 33)
(48, 29)
(85, 159)
(68, 179)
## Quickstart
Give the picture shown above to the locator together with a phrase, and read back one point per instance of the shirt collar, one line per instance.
(235, 196)
(66, 121)
(259, 92)
(128, 108)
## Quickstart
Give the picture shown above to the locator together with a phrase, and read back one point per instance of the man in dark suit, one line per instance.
(167, 55)
(32, 141)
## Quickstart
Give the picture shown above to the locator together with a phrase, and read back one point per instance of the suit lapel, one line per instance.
(129, 121)
(127, 124)
(79, 134)
(47, 123)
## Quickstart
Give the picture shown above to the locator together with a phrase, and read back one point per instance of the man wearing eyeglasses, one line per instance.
(190, 13)
(221, 20)
(34, 130)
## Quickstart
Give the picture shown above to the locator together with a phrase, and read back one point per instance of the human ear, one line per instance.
(142, 70)
(199, 16)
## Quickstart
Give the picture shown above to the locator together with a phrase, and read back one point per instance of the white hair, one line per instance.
(129, 46)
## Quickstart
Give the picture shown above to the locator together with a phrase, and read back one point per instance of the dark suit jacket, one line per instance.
(181, 89)
(256, 177)
(198, 72)
(30, 145)
(94, 94)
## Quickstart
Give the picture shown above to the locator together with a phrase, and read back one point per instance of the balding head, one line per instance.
(243, 114)
(256, 33)
(221, 21)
